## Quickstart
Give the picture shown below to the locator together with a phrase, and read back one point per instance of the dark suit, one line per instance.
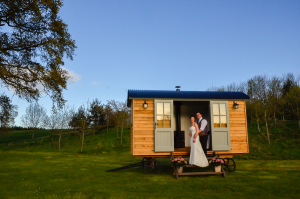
(203, 138)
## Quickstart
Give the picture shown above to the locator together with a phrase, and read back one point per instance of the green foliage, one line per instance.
(32, 48)
(81, 121)
(8, 113)
(97, 115)
(292, 99)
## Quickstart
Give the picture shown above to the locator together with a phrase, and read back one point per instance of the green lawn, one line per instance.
(36, 169)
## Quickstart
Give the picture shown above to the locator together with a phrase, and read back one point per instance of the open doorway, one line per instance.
(183, 110)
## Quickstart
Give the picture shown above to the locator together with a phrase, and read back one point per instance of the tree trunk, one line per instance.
(275, 118)
(122, 133)
(107, 125)
(59, 139)
(256, 115)
(267, 127)
(51, 136)
(257, 125)
(33, 134)
(82, 141)
(94, 131)
(298, 116)
(117, 131)
(122, 128)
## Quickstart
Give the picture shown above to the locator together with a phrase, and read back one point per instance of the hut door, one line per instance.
(220, 126)
(163, 126)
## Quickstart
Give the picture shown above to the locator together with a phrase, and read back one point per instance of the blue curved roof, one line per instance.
(154, 94)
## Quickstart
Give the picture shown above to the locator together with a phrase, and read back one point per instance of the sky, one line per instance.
(157, 45)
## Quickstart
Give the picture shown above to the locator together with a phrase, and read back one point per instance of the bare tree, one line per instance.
(52, 122)
(274, 95)
(35, 117)
(64, 116)
(260, 85)
(122, 111)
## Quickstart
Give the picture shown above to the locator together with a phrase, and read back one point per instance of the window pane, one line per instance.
(222, 109)
(167, 109)
(167, 121)
(216, 121)
(160, 108)
(216, 109)
(223, 121)
(160, 121)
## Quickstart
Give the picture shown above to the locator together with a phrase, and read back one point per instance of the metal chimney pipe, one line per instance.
(177, 88)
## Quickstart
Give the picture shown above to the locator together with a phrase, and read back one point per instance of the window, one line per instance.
(163, 115)
(220, 130)
(220, 115)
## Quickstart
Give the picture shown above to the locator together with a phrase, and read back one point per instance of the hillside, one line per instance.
(285, 141)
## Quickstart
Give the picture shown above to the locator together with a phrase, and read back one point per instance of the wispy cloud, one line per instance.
(95, 83)
(73, 77)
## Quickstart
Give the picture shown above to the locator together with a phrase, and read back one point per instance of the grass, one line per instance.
(36, 169)
(21, 135)
(284, 141)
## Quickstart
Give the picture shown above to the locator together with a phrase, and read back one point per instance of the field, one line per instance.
(36, 169)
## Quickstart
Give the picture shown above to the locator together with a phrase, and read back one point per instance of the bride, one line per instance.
(197, 156)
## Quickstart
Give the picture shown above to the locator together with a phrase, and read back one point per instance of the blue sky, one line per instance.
(161, 44)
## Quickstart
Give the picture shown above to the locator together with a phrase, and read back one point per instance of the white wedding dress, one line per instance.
(197, 156)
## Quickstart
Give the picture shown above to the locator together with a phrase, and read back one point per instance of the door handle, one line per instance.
(155, 125)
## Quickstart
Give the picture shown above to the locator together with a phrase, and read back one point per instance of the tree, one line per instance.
(35, 117)
(260, 88)
(8, 112)
(108, 114)
(31, 54)
(122, 114)
(274, 95)
(97, 114)
(52, 122)
(81, 121)
(293, 101)
(64, 116)
(288, 82)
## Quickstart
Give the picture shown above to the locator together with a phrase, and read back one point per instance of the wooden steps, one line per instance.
(199, 173)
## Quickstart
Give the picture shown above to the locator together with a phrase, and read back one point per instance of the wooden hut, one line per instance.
(160, 121)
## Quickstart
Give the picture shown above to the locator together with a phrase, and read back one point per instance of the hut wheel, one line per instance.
(144, 161)
(229, 164)
(152, 166)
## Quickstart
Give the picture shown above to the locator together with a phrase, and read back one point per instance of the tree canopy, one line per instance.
(8, 112)
(33, 42)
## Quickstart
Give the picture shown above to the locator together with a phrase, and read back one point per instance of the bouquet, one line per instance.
(179, 162)
(216, 161)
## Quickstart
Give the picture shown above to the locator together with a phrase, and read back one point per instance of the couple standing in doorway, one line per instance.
(198, 151)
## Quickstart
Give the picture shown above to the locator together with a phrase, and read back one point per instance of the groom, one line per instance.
(203, 133)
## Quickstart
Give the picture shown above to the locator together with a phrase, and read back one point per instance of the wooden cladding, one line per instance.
(142, 130)
(238, 128)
